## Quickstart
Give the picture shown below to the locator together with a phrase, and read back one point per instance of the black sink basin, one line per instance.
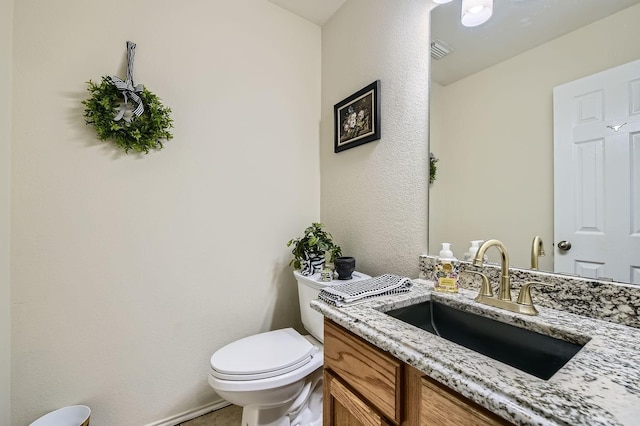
(531, 352)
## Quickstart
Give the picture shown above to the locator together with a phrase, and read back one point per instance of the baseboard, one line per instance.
(191, 414)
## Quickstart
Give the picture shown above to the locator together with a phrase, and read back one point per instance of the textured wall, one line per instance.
(128, 272)
(374, 197)
(493, 133)
(6, 28)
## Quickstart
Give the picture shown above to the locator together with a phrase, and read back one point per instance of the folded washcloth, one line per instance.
(350, 292)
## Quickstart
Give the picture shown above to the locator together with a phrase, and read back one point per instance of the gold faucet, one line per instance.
(537, 250)
(504, 292)
(523, 305)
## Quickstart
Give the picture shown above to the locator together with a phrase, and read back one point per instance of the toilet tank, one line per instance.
(308, 289)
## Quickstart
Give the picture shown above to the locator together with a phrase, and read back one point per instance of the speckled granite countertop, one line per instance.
(599, 386)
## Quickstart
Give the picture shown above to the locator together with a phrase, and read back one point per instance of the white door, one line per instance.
(597, 175)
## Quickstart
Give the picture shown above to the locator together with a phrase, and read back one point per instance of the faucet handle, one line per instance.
(485, 287)
(524, 298)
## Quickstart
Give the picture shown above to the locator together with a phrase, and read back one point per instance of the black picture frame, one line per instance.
(357, 118)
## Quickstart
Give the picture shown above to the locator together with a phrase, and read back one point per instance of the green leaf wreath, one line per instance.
(433, 169)
(139, 134)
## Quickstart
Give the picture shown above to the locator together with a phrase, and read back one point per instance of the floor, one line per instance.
(228, 416)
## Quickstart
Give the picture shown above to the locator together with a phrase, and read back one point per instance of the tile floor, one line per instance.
(228, 416)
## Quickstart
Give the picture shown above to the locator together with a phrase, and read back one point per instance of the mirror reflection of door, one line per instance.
(597, 175)
(492, 130)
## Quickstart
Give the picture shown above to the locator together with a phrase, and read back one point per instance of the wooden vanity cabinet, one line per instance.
(368, 373)
(364, 385)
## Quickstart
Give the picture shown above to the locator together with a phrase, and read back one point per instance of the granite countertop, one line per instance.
(600, 385)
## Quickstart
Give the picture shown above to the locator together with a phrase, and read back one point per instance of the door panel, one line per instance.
(597, 174)
(342, 407)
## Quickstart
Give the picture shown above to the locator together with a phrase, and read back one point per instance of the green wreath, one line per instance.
(140, 134)
(148, 125)
(433, 169)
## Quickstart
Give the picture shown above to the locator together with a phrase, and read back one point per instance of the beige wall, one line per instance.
(374, 197)
(128, 272)
(493, 133)
(6, 28)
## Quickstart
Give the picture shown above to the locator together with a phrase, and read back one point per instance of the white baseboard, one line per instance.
(191, 414)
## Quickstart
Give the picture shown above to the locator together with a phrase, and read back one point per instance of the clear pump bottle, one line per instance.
(471, 253)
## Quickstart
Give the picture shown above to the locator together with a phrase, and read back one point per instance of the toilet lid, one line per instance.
(262, 355)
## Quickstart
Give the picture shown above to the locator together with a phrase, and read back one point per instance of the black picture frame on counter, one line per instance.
(357, 118)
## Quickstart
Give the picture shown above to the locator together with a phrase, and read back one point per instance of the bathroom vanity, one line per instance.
(382, 370)
(393, 392)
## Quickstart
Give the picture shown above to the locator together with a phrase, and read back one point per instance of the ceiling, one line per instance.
(316, 11)
(516, 26)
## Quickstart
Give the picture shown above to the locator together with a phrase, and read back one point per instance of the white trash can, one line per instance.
(74, 415)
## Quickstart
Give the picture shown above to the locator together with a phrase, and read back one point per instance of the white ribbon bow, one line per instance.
(128, 90)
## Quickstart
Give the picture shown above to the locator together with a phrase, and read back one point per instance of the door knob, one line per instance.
(564, 245)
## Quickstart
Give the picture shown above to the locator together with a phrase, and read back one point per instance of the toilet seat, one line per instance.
(284, 371)
(262, 356)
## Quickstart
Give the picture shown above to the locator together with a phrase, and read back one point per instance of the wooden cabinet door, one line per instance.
(440, 406)
(369, 371)
(342, 407)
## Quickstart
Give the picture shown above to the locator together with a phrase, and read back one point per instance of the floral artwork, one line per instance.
(357, 118)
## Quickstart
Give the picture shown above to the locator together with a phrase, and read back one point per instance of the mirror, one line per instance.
(491, 115)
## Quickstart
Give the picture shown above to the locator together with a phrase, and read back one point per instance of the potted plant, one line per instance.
(309, 250)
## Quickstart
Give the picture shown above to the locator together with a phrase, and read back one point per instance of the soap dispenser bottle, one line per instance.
(473, 250)
(446, 271)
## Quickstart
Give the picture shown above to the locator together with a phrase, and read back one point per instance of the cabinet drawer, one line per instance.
(374, 374)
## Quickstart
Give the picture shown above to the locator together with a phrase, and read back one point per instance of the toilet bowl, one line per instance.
(276, 376)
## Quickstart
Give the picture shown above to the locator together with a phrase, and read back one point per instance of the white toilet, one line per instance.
(277, 376)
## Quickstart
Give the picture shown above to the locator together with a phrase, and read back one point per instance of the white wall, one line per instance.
(6, 29)
(128, 272)
(374, 197)
(493, 133)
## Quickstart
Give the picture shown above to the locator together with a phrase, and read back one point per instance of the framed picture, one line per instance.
(357, 118)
